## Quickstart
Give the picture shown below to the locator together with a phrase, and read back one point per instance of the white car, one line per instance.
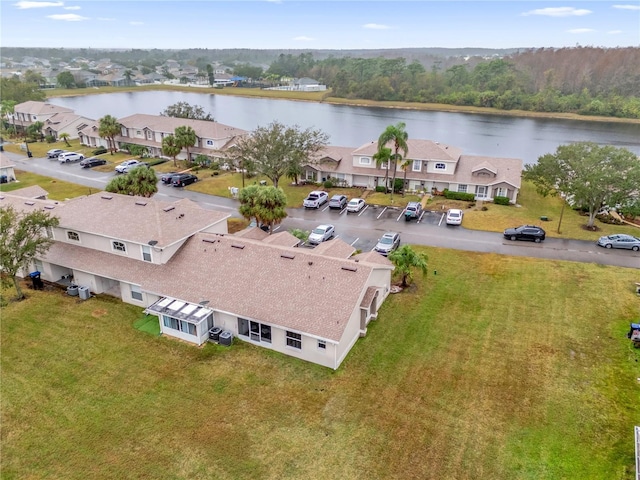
(454, 216)
(125, 166)
(321, 234)
(355, 205)
(70, 157)
(315, 199)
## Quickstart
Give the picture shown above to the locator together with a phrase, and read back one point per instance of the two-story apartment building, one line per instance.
(212, 138)
(27, 113)
(176, 261)
(429, 165)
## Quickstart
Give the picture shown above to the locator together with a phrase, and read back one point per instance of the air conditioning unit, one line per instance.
(84, 293)
(226, 337)
(214, 334)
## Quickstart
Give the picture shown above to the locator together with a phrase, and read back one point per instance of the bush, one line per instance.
(498, 200)
(50, 139)
(156, 161)
(100, 151)
(328, 184)
(398, 185)
(381, 188)
(468, 197)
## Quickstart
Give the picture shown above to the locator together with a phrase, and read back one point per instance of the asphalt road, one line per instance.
(364, 228)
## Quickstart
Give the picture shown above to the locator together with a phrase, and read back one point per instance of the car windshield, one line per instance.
(454, 214)
(317, 231)
(353, 202)
(386, 240)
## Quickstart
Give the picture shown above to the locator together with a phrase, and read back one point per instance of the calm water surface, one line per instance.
(477, 134)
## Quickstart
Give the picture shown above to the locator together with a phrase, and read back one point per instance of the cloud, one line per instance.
(627, 7)
(136, 23)
(68, 17)
(559, 12)
(581, 30)
(72, 8)
(614, 32)
(24, 5)
(302, 38)
(376, 26)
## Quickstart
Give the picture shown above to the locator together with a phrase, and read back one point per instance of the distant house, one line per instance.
(176, 260)
(429, 166)
(6, 168)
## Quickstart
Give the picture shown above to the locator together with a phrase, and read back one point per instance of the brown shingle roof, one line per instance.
(38, 108)
(5, 161)
(335, 248)
(34, 191)
(203, 128)
(418, 150)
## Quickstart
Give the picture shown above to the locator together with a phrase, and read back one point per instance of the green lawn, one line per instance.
(58, 189)
(478, 372)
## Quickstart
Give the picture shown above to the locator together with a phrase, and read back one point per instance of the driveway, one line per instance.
(362, 229)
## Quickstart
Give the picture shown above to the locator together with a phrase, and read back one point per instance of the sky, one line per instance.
(328, 24)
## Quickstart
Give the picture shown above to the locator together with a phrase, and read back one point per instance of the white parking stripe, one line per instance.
(422, 215)
(363, 210)
(325, 208)
(383, 210)
(441, 218)
(355, 241)
(276, 229)
(343, 210)
(400, 216)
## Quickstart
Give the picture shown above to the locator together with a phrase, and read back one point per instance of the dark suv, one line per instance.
(183, 179)
(413, 210)
(525, 232)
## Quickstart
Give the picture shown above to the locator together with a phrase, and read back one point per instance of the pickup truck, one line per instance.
(315, 199)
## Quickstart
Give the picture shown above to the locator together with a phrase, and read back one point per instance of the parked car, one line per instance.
(338, 201)
(125, 166)
(355, 205)
(67, 157)
(413, 210)
(321, 234)
(454, 216)
(526, 232)
(55, 152)
(315, 199)
(183, 179)
(92, 162)
(166, 177)
(387, 243)
(620, 240)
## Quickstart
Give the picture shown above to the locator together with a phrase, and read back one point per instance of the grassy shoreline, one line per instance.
(324, 97)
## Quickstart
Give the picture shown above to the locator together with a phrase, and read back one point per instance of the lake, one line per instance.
(351, 126)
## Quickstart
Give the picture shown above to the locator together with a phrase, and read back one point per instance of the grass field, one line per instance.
(495, 368)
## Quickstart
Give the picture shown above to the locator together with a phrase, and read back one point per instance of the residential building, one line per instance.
(65, 122)
(176, 260)
(27, 113)
(429, 166)
(7, 168)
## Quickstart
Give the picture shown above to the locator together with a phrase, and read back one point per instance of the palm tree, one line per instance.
(265, 204)
(405, 260)
(108, 128)
(128, 74)
(185, 138)
(404, 166)
(383, 155)
(398, 136)
(8, 110)
(65, 137)
(170, 148)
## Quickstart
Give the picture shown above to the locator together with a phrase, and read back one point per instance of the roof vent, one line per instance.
(31, 204)
(209, 240)
(142, 204)
(237, 245)
(49, 207)
(289, 256)
(350, 268)
(106, 197)
(168, 209)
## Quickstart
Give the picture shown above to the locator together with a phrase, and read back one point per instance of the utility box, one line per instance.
(214, 334)
(226, 337)
(84, 293)
(72, 290)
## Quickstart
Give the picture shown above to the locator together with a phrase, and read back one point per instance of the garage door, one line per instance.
(360, 181)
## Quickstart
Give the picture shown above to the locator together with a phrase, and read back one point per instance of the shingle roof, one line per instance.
(38, 108)
(284, 239)
(137, 219)
(25, 204)
(244, 277)
(5, 161)
(418, 150)
(34, 191)
(159, 123)
(335, 248)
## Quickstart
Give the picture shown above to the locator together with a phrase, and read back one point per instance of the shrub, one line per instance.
(484, 208)
(498, 200)
(398, 185)
(156, 161)
(50, 139)
(381, 188)
(468, 197)
(100, 151)
(328, 184)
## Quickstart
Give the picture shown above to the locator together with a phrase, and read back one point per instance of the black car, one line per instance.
(525, 232)
(92, 162)
(183, 179)
(167, 177)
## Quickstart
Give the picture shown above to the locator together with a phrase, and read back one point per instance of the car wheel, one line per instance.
(635, 248)
(608, 245)
(538, 240)
(513, 238)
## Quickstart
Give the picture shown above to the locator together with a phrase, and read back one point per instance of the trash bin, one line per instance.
(72, 290)
(36, 280)
(214, 334)
(84, 293)
(29, 154)
(226, 337)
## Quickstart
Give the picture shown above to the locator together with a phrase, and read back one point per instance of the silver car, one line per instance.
(620, 240)
(387, 243)
(321, 233)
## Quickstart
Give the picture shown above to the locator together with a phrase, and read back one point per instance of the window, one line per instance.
(417, 165)
(146, 253)
(209, 142)
(256, 331)
(294, 339)
(322, 345)
(119, 246)
(500, 192)
(170, 322)
(365, 161)
(49, 232)
(383, 165)
(462, 188)
(441, 166)
(73, 236)
(136, 292)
